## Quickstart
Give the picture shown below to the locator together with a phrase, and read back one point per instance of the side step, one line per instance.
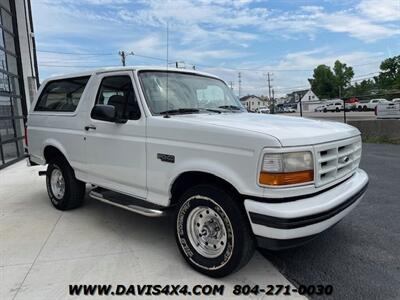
(127, 202)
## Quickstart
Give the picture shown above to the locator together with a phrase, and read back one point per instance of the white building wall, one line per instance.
(309, 96)
(25, 34)
(254, 103)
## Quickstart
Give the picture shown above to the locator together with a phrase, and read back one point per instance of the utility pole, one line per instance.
(269, 90)
(123, 55)
(231, 84)
(344, 104)
(301, 106)
(273, 101)
(269, 85)
(240, 84)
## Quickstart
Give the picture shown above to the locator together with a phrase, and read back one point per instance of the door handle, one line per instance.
(88, 127)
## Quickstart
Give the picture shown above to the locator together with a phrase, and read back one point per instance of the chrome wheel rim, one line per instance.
(57, 184)
(206, 231)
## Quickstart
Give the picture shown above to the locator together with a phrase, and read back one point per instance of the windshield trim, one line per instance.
(179, 72)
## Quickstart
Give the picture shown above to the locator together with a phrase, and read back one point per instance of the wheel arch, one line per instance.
(190, 178)
(50, 151)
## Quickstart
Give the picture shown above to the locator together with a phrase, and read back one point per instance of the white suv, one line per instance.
(154, 141)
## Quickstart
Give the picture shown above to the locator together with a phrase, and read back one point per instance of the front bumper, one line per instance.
(281, 225)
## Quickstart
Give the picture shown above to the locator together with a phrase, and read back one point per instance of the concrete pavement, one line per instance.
(43, 250)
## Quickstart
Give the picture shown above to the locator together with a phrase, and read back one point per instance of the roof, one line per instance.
(300, 92)
(249, 96)
(129, 68)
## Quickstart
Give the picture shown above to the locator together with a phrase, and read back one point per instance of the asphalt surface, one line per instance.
(360, 256)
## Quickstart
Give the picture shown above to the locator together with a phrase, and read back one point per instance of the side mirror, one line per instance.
(104, 113)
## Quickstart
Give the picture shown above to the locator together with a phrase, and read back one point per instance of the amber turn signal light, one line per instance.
(276, 179)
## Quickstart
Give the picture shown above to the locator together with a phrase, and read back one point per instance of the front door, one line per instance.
(116, 151)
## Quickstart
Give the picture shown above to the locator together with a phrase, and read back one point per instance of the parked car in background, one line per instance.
(352, 103)
(319, 108)
(263, 110)
(334, 106)
(289, 110)
(396, 100)
(388, 110)
(232, 180)
(371, 104)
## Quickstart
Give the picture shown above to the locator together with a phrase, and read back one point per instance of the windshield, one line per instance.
(187, 93)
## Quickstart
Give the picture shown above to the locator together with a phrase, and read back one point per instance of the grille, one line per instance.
(336, 160)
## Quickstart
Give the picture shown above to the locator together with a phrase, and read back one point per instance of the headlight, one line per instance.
(287, 168)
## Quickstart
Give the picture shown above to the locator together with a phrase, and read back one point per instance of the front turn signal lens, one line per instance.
(277, 179)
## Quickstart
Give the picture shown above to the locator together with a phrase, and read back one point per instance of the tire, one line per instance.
(337, 109)
(325, 110)
(215, 209)
(64, 190)
(365, 108)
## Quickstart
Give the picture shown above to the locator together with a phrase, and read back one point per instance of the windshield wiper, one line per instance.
(230, 107)
(212, 110)
(188, 111)
(180, 111)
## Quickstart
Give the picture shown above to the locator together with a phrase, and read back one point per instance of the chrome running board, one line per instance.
(127, 202)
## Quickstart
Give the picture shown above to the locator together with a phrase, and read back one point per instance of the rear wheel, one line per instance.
(212, 232)
(64, 190)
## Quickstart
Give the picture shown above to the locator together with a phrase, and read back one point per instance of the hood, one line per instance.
(290, 131)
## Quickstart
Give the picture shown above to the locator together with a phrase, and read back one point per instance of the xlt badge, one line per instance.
(166, 157)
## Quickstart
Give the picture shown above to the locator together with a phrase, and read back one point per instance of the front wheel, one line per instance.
(212, 232)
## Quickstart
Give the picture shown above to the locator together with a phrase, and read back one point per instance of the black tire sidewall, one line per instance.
(64, 201)
(222, 203)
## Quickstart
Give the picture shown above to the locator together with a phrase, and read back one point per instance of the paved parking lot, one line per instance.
(360, 256)
(43, 250)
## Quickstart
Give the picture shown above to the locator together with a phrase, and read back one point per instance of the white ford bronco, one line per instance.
(154, 141)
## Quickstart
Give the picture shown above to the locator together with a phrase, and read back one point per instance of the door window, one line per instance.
(118, 92)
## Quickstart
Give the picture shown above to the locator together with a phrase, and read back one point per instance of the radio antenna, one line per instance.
(166, 114)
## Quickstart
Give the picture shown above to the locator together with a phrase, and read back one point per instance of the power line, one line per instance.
(357, 78)
(77, 66)
(74, 53)
(261, 69)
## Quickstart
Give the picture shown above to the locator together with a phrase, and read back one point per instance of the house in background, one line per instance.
(308, 99)
(252, 102)
(303, 95)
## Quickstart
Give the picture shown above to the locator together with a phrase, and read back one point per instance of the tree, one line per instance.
(343, 75)
(389, 77)
(360, 89)
(328, 84)
(323, 82)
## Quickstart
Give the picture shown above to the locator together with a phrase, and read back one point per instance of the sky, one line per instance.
(286, 38)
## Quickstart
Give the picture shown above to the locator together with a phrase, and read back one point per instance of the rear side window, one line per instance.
(62, 95)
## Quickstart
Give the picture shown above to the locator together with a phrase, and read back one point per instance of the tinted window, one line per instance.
(118, 91)
(62, 95)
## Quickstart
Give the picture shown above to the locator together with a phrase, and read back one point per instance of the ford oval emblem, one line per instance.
(345, 159)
